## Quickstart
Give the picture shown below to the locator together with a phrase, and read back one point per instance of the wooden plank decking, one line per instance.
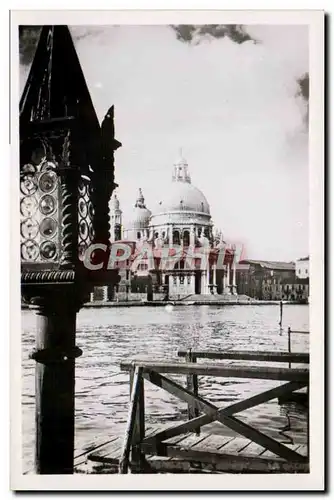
(190, 453)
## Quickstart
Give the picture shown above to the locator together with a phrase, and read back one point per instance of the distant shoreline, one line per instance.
(100, 304)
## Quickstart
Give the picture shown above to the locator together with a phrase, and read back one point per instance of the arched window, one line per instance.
(186, 238)
(176, 237)
(138, 235)
(181, 264)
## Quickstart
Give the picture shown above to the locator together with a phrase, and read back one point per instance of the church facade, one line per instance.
(181, 221)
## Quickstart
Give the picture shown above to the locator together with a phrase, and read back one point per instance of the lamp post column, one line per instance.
(55, 355)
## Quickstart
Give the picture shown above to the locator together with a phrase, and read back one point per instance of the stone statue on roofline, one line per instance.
(203, 240)
(158, 242)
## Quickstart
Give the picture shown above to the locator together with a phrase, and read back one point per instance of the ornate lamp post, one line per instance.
(66, 180)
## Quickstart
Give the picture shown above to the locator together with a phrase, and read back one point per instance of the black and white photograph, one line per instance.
(168, 192)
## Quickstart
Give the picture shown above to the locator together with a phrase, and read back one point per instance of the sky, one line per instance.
(232, 108)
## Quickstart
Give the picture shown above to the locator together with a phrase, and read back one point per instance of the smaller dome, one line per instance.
(140, 216)
(114, 202)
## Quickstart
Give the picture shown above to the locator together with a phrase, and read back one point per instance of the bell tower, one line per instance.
(115, 219)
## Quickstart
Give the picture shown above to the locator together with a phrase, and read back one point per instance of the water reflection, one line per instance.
(108, 336)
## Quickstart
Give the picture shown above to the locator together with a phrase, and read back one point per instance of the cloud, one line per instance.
(28, 38)
(195, 33)
(303, 92)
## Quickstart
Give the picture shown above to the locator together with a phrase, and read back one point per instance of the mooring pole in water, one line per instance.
(289, 343)
(280, 313)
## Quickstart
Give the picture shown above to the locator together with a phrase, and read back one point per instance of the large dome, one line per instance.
(179, 196)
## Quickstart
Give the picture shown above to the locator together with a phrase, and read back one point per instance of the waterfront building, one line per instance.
(268, 280)
(302, 268)
(181, 220)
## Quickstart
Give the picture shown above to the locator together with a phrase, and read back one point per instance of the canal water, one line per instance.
(109, 335)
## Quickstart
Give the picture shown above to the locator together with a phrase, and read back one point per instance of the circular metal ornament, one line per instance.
(28, 206)
(48, 250)
(48, 227)
(83, 210)
(28, 184)
(47, 204)
(91, 210)
(83, 230)
(29, 250)
(48, 181)
(29, 229)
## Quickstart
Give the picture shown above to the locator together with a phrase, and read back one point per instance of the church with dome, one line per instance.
(180, 219)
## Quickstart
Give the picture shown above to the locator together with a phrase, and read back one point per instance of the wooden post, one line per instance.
(192, 385)
(137, 457)
(289, 343)
(134, 433)
(280, 313)
(308, 420)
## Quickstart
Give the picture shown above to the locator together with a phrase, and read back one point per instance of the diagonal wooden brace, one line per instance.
(191, 425)
(224, 415)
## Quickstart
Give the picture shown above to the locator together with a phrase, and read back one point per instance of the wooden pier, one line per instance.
(185, 448)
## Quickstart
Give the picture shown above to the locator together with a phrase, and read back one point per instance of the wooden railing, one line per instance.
(269, 356)
(289, 337)
(201, 411)
(264, 356)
